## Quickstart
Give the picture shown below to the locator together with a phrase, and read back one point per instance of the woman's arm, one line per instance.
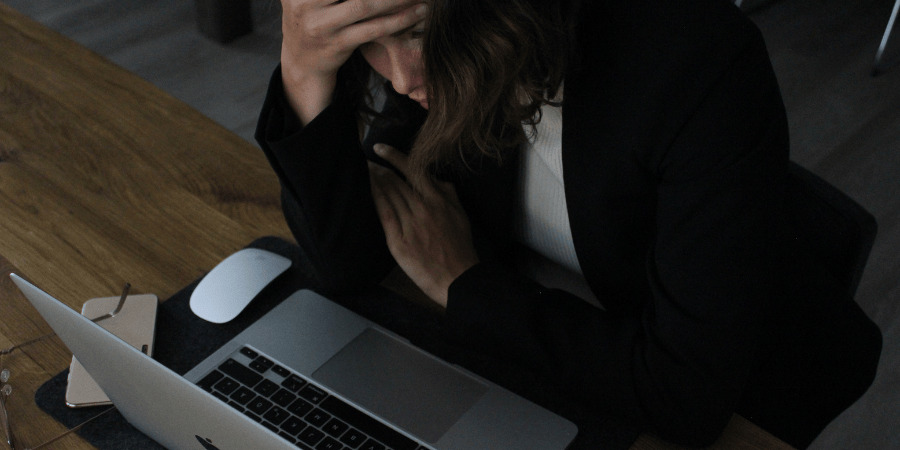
(310, 134)
(678, 366)
(325, 191)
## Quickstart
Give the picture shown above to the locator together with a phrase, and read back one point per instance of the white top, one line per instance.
(541, 221)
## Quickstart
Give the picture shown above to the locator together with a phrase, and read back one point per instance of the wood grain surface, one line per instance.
(106, 179)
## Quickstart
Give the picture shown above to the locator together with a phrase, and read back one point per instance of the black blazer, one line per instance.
(675, 159)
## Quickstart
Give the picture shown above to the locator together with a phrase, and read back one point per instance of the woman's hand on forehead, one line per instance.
(320, 35)
(352, 22)
(364, 10)
(372, 19)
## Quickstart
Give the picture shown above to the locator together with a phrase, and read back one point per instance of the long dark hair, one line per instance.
(489, 67)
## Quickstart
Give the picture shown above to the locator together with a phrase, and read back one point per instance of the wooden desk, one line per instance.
(106, 179)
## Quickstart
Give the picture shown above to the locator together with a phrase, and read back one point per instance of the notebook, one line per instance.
(309, 374)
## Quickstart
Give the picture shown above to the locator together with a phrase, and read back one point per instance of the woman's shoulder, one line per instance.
(651, 65)
(681, 36)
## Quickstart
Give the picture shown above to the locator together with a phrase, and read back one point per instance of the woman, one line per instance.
(637, 149)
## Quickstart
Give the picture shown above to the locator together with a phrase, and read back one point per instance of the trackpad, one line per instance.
(400, 383)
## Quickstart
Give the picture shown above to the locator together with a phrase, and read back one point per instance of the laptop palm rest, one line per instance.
(401, 384)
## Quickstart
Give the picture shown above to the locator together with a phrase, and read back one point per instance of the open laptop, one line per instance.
(309, 374)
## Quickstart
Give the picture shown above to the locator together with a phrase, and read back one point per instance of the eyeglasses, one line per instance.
(6, 388)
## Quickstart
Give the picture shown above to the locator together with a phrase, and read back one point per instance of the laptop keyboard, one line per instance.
(298, 410)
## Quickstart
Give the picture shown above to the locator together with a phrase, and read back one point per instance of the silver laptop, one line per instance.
(309, 374)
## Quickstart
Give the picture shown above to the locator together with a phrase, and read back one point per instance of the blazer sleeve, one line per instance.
(326, 196)
(678, 364)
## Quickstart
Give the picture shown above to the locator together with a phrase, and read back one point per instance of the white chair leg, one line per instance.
(886, 37)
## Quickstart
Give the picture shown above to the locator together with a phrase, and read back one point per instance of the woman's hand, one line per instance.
(320, 35)
(426, 228)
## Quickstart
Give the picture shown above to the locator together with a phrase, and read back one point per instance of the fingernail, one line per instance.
(380, 149)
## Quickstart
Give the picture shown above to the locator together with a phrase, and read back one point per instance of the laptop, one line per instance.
(309, 374)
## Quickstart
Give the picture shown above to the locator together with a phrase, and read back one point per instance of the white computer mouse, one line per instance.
(230, 286)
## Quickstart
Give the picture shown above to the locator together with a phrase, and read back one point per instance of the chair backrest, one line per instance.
(840, 231)
(824, 351)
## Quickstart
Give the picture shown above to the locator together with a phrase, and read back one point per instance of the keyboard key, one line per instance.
(335, 428)
(329, 444)
(293, 383)
(210, 379)
(293, 425)
(353, 438)
(261, 364)
(287, 437)
(317, 417)
(311, 436)
(363, 422)
(242, 395)
(259, 405)
(226, 386)
(239, 372)
(372, 445)
(300, 407)
(313, 393)
(236, 406)
(266, 388)
(276, 415)
(281, 371)
(343, 427)
(283, 397)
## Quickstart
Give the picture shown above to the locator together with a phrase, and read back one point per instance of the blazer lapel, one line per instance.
(488, 195)
(610, 198)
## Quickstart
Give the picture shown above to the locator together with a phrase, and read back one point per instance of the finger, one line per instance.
(395, 157)
(393, 193)
(363, 10)
(366, 20)
(448, 190)
(423, 185)
(387, 215)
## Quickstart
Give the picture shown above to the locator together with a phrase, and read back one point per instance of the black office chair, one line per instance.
(827, 350)
(847, 229)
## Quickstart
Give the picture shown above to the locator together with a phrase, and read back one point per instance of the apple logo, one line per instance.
(206, 443)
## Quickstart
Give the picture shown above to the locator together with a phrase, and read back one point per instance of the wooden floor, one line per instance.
(845, 124)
